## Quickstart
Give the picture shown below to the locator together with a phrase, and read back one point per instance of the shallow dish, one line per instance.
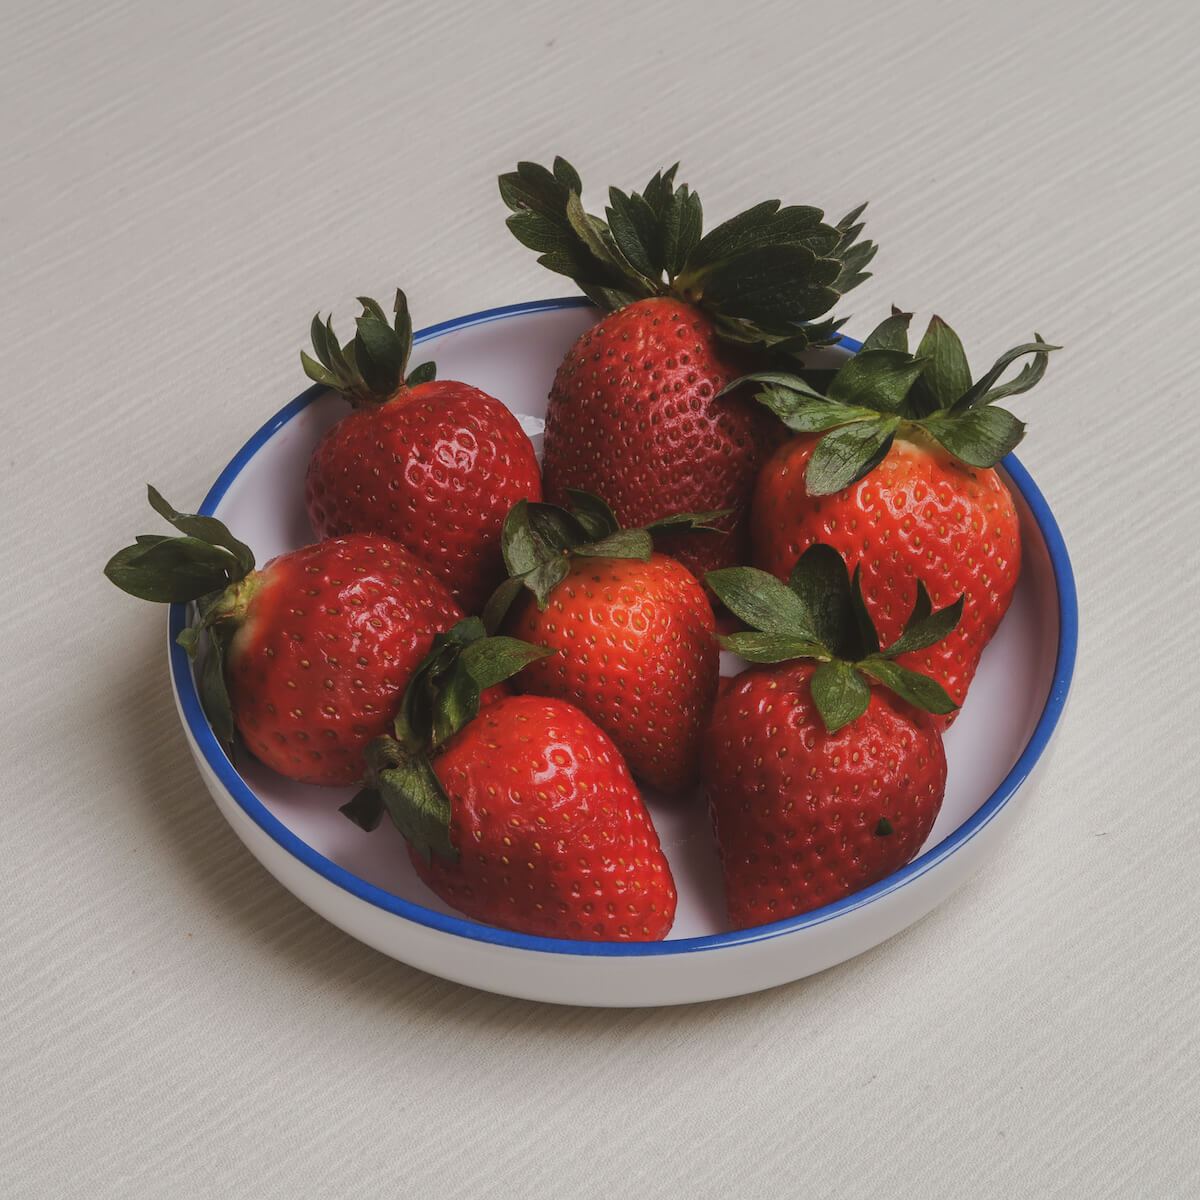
(364, 884)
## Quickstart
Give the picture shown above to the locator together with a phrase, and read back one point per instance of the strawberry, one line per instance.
(523, 816)
(308, 657)
(638, 409)
(633, 628)
(822, 776)
(432, 464)
(894, 464)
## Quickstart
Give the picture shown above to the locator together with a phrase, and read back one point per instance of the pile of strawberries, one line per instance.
(501, 653)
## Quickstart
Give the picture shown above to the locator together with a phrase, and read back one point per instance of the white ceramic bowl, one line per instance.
(363, 883)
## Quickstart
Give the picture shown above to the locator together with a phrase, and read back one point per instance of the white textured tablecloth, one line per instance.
(181, 187)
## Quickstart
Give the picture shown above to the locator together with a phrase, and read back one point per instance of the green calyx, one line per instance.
(884, 391)
(368, 369)
(442, 698)
(206, 564)
(539, 540)
(820, 614)
(763, 277)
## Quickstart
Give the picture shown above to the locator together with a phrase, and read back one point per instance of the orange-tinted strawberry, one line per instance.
(432, 464)
(523, 816)
(633, 630)
(637, 411)
(826, 775)
(894, 466)
(309, 655)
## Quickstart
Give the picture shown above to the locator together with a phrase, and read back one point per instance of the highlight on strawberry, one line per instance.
(893, 461)
(823, 769)
(522, 815)
(639, 409)
(633, 628)
(306, 657)
(432, 464)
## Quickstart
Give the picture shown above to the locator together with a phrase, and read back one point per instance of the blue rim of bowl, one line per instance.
(244, 797)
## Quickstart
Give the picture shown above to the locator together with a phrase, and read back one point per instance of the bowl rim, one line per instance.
(243, 795)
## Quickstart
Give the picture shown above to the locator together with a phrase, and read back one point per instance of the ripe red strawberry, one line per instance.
(432, 464)
(637, 410)
(894, 466)
(633, 628)
(309, 655)
(822, 777)
(522, 816)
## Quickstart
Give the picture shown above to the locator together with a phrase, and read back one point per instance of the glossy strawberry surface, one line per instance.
(330, 634)
(635, 416)
(920, 514)
(436, 469)
(636, 651)
(803, 817)
(552, 835)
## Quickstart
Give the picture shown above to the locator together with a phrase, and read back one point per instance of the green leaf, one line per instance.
(634, 229)
(422, 373)
(366, 809)
(455, 700)
(379, 355)
(372, 308)
(419, 807)
(982, 391)
(772, 647)
(319, 333)
(840, 693)
(545, 577)
(593, 513)
(501, 601)
(822, 584)
(174, 570)
(803, 413)
(402, 322)
(784, 381)
(877, 379)
(917, 689)
(688, 522)
(774, 288)
(522, 548)
(924, 627)
(867, 636)
(945, 371)
(980, 437)
(768, 226)
(846, 454)
(890, 334)
(339, 362)
(763, 602)
(213, 690)
(625, 543)
(683, 231)
(492, 660)
(548, 216)
(319, 374)
(744, 231)
(207, 529)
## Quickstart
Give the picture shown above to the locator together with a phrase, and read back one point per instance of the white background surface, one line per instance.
(180, 189)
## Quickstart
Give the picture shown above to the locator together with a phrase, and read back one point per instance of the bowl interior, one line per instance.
(512, 354)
